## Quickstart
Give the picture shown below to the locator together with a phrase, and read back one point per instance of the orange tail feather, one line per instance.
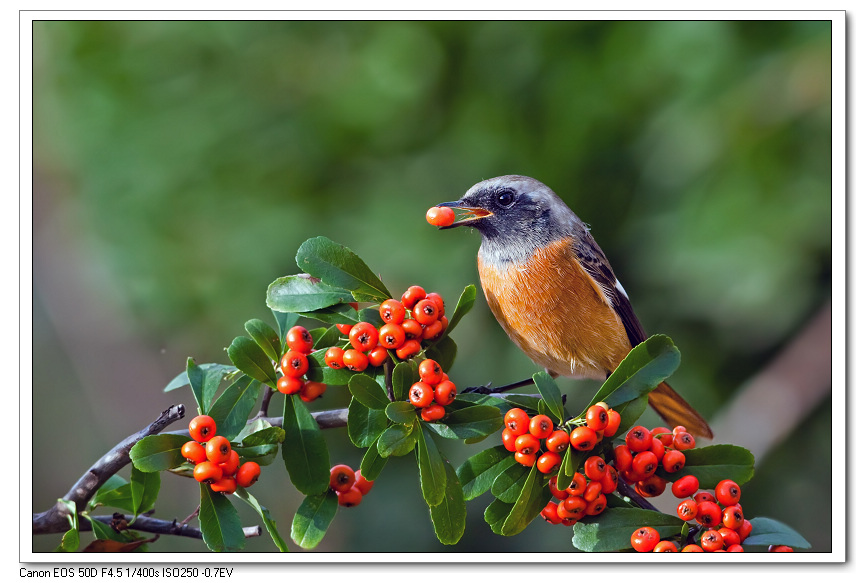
(675, 410)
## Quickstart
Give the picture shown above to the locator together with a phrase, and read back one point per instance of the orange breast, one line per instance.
(555, 312)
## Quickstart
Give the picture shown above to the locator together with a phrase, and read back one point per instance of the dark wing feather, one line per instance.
(595, 263)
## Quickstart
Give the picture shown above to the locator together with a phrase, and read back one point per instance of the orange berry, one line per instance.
(392, 312)
(362, 484)
(363, 336)
(432, 331)
(528, 443)
(583, 438)
(445, 393)
(517, 420)
(685, 486)
(289, 385)
(541, 426)
(225, 485)
(665, 546)
(597, 418)
(558, 441)
(377, 356)
(248, 474)
(218, 449)
(207, 472)
(229, 467)
(727, 492)
(312, 391)
(430, 372)
(644, 539)
(333, 357)
(549, 462)
(299, 339)
(526, 459)
(342, 478)
(613, 422)
(440, 216)
(408, 349)
(294, 364)
(595, 467)
(420, 394)
(425, 312)
(391, 336)
(355, 360)
(432, 412)
(193, 451)
(673, 461)
(439, 302)
(638, 439)
(202, 428)
(413, 295)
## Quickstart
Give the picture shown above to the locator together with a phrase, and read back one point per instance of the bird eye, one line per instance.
(505, 198)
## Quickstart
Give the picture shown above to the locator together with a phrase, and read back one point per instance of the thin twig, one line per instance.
(158, 526)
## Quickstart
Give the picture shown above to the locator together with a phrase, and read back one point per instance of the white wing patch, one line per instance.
(621, 289)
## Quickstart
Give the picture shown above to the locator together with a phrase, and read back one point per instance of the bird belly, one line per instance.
(554, 311)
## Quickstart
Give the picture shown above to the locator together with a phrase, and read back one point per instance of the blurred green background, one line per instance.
(179, 165)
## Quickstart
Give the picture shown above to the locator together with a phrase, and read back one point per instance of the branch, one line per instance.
(157, 526)
(55, 519)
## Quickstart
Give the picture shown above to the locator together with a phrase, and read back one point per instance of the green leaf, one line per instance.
(114, 492)
(611, 530)
(550, 393)
(431, 468)
(261, 446)
(105, 532)
(509, 484)
(265, 337)
(474, 421)
(444, 352)
(71, 538)
(338, 266)
(478, 473)
(324, 338)
(266, 518)
(503, 403)
(306, 457)
(532, 499)
(301, 293)
(232, 408)
(364, 424)
(496, 514)
(567, 469)
(182, 379)
(284, 323)
(404, 375)
(155, 453)
(368, 392)
(321, 373)
(144, 488)
(204, 381)
(397, 440)
(464, 304)
(251, 359)
(372, 463)
(370, 315)
(312, 519)
(219, 522)
(401, 412)
(768, 531)
(337, 314)
(714, 463)
(449, 516)
(646, 366)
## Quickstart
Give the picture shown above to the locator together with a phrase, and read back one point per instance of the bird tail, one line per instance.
(675, 410)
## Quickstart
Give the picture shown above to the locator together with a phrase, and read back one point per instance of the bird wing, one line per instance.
(595, 263)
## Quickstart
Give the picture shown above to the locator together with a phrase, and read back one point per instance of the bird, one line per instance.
(552, 289)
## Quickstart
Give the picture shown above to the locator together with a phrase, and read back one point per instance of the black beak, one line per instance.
(465, 215)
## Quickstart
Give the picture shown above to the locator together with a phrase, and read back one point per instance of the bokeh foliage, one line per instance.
(199, 155)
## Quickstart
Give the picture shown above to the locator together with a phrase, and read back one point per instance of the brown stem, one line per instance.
(157, 526)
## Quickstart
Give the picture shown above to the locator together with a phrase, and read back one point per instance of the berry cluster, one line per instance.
(294, 364)
(644, 451)
(216, 463)
(416, 317)
(433, 392)
(585, 496)
(350, 486)
(722, 524)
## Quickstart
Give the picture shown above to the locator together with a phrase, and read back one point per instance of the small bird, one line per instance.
(552, 289)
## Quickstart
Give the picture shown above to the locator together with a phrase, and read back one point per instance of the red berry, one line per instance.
(549, 462)
(412, 295)
(732, 517)
(665, 434)
(289, 385)
(342, 478)
(413, 330)
(692, 548)
(344, 329)
(363, 336)
(310, 391)
(230, 467)
(644, 539)
(408, 349)
(377, 356)
(218, 449)
(558, 441)
(673, 461)
(430, 372)
(704, 497)
(333, 357)
(526, 459)
(349, 498)
(572, 507)
(727, 492)
(597, 418)
(355, 360)
(610, 481)
(225, 485)
(708, 514)
(541, 426)
(683, 441)
(248, 474)
(193, 451)
(665, 546)
(202, 428)
(509, 438)
(299, 339)
(362, 483)
(595, 468)
(597, 505)
(440, 216)
(624, 457)
(780, 549)
(685, 486)
(517, 420)
(583, 438)
(744, 530)
(391, 336)
(578, 485)
(613, 422)
(550, 513)
(425, 312)
(528, 443)
(207, 472)
(432, 412)
(651, 486)
(644, 465)
(445, 393)
(638, 439)
(687, 509)
(658, 449)
(420, 394)
(730, 536)
(554, 489)
(294, 363)
(392, 312)
(711, 540)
